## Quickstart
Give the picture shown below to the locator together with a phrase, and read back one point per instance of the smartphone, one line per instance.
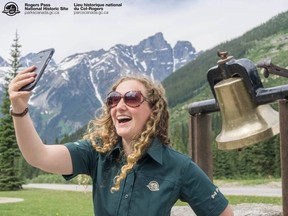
(41, 61)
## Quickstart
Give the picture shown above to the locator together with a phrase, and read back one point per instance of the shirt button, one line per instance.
(126, 196)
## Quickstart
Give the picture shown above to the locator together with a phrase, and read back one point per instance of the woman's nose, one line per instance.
(121, 104)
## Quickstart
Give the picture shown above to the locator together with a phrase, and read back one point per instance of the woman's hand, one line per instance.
(19, 99)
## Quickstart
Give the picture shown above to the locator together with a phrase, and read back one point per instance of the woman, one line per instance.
(125, 151)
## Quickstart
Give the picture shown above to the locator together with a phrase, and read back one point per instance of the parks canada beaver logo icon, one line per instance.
(153, 186)
(11, 9)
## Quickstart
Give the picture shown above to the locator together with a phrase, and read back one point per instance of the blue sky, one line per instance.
(205, 23)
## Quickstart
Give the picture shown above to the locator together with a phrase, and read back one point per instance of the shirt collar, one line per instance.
(155, 151)
(115, 151)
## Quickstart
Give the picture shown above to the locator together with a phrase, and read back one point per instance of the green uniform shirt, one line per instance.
(159, 179)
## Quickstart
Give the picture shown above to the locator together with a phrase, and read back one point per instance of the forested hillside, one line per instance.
(189, 84)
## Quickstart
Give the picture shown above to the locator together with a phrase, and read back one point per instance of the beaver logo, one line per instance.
(153, 186)
(11, 9)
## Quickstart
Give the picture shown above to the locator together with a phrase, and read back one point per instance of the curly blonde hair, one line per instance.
(157, 126)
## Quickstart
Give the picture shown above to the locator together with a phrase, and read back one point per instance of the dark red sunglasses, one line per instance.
(131, 98)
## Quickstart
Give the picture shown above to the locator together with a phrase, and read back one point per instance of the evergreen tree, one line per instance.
(10, 177)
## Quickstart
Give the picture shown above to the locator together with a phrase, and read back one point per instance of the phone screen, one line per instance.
(40, 61)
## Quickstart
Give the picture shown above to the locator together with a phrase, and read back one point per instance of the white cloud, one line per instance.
(204, 23)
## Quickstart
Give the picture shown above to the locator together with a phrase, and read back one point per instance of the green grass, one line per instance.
(233, 200)
(40, 202)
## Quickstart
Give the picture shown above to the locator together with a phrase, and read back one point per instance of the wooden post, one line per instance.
(283, 113)
(200, 149)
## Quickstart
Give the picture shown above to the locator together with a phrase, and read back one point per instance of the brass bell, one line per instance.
(243, 122)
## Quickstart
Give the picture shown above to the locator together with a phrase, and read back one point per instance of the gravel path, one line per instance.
(10, 200)
(259, 190)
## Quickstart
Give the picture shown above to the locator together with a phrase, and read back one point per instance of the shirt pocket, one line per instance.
(153, 195)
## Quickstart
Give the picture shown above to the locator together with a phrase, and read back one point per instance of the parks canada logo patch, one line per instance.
(11, 9)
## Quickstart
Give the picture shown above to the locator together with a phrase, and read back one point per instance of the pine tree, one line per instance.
(10, 177)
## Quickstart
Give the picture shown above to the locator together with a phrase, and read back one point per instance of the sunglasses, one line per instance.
(130, 98)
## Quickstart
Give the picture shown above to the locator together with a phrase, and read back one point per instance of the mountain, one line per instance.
(69, 93)
(4, 66)
(3, 63)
